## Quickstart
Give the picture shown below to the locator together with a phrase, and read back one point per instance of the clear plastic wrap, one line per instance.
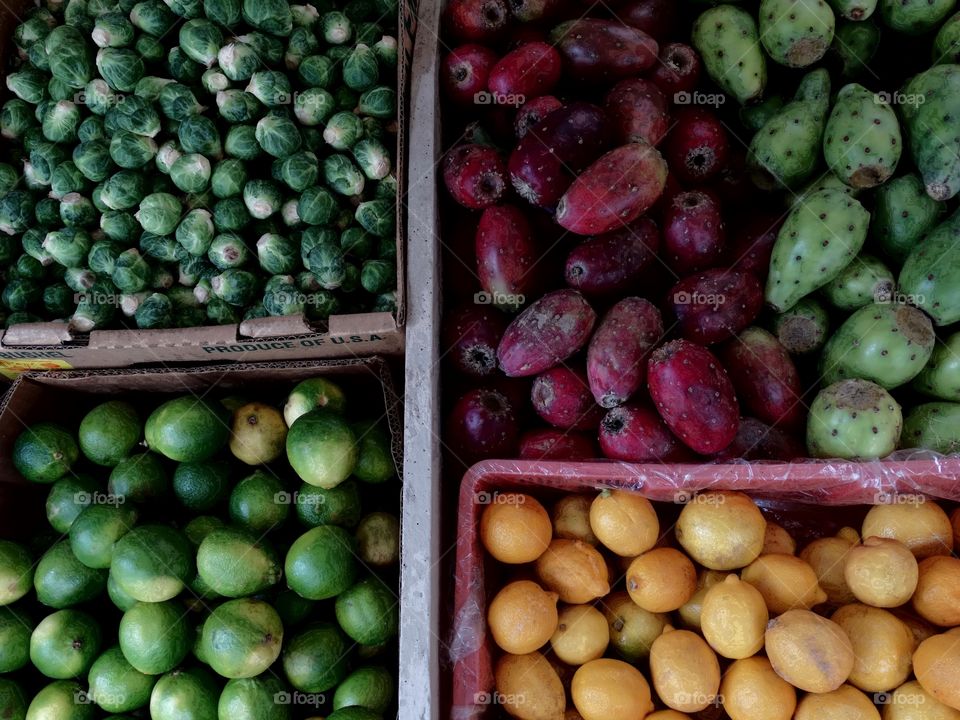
(796, 493)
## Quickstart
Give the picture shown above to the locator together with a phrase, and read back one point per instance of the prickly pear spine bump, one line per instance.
(853, 420)
(902, 214)
(864, 281)
(796, 33)
(932, 104)
(727, 40)
(930, 276)
(862, 142)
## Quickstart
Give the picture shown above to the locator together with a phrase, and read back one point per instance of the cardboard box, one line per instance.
(52, 346)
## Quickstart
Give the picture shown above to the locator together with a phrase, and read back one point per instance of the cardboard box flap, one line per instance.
(40, 333)
(362, 324)
(170, 338)
(268, 327)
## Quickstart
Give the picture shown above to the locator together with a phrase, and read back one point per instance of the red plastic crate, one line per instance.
(795, 493)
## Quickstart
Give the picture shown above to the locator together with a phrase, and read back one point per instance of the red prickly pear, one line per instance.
(655, 17)
(612, 263)
(694, 396)
(694, 235)
(756, 440)
(482, 425)
(474, 175)
(545, 334)
(533, 112)
(561, 396)
(603, 51)
(614, 191)
(480, 21)
(533, 10)
(465, 71)
(550, 444)
(542, 166)
(638, 111)
(752, 242)
(636, 433)
(698, 146)
(715, 305)
(470, 337)
(765, 378)
(677, 72)
(616, 356)
(506, 256)
(530, 70)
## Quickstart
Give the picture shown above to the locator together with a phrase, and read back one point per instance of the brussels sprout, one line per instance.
(159, 213)
(20, 294)
(360, 69)
(238, 106)
(28, 268)
(92, 159)
(213, 80)
(91, 129)
(28, 84)
(122, 227)
(230, 214)
(385, 302)
(342, 175)
(155, 311)
(44, 157)
(237, 60)
(339, 53)
(380, 102)
(305, 16)
(200, 39)
(317, 206)
(386, 50)
(153, 17)
(167, 155)
(97, 96)
(67, 178)
(103, 256)
(199, 134)
(236, 287)
(187, 9)
(47, 212)
(149, 48)
(16, 118)
(58, 300)
(377, 217)
(307, 282)
(302, 42)
(69, 56)
(39, 110)
(77, 211)
(192, 269)
(282, 297)
(317, 71)
(195, 232)
(60, 122)
(31, 179)
(278, 135)
(191, 173)
(357, 243)
(343, 131)
(112, 29)
(30, 31)
(229, 177)
(79, 279)
(269, 50)
(182, 68)
(270, 16)
(228, 13)
(8, 178)
(132, 151)
(96, 197)
(325, 261)
(336, 28)
(277, 255)
(270, 87)
(32, 244)
(161, 247)
(241, 142)
(373, 158)
(134, 114)
(228, 251)
(262, 198)
(290, 214)
(351, 278)
(32, 138)
(220, 312)
(299, 171)
(97, 308)
(386, 189)
(122, 68)
(378, 276)
(57, 90)
(129, 302)
(37, 56)
(75, 16)
(178, 102)
(131, 272)
(68, 247)
(313, 106)
(202, 292)
(187, 312)
(321, 305)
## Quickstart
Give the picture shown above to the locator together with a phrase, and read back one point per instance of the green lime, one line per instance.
(369, 612)
(370, 687)
(258, 434)
(45, 452)
(292, 608)
(322, 448)
(201, 526)
(13, 702)
(117, 686)
(65, 644)
(201, 486)
(16, 572)
(140, 478)
(336, 506)
(375, 463)
(15, 630)
(316, 659)
(61, 700)
(61, 580)
(188, 429)
(233, 563)
(152, 562)
(310, 394)
(188, 694)
(242, 638)
(117, 596)
(258, 503)
(155, 637)
(320, 564)
(94, 534)
(378, 539)
(355, 713)
(67, 498)
(254, 699)
(109, 432)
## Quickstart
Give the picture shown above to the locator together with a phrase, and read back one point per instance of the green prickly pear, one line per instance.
(855, 43)
(856, 10)
(932, 104)
(902, 214)
(827, 181)
(886, 344)
(864, 281)
(853, 420)
(946, 45)
(862, 140)
(803, 328)
(786, 149)
(726, 38)
(796, 33)
(933, 426)
(756, 116)
(914, 17)
(941, 377)
(930, 277)
(818, 239)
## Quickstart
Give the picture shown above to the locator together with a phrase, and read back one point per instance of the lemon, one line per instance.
(574, 570)
(522, 617)
(582, 635)
(605, 689)
(515, 528)
(625, 522)
(529, 688)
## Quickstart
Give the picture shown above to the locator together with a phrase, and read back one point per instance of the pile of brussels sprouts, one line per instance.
(196, 162)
